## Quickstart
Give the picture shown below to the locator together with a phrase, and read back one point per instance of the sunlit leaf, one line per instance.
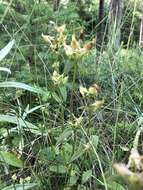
(94, 139)
(25, 186)
(10, 84)
(28, 111)
(10, 159)
(15, 120)
(6, 50)
(5, 70)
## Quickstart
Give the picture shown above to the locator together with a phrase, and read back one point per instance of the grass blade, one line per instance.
(6, 50)
(10, 84)
(18, 121)
(25, 186)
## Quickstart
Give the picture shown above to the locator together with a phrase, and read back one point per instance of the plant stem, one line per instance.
(136, 139)
(73, 85)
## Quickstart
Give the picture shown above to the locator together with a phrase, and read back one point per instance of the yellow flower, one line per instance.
(83, 91)
(56, 65)
(59, 79)
(74, 48)
(14, 177)
(18, 93)
(61, 39)
(96, 105)
(77, 122)
(56, 42)
(61, 29)
(68, 50)
(92, 90)
(74, 43)
(49, 39)
(90, 44)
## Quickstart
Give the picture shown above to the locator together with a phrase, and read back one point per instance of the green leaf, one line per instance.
(86, 175)
(81, 187)
(63, 91)
(67, 67)
(3, 132)
(25, 186)
(46, 96)
(67, 151)
(47, 154)
(15, 120)
(73, 180)
(94, 139)
(56, 97)
(115, 186)
(10, 159)
(10, 84)
(64, 136)
(6, 50)
(5, 70)
(58, 169)
(28, 111)
(78, 154)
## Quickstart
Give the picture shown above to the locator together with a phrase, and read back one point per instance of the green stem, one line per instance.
(73, 85)
(98, 158)
(90, 122)
(136, 139)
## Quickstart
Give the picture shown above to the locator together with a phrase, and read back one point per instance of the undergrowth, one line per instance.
(68, 111)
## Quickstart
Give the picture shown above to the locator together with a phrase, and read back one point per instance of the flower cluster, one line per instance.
(59, 79)
(56, 42)
(74, 50)
(92, 91)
